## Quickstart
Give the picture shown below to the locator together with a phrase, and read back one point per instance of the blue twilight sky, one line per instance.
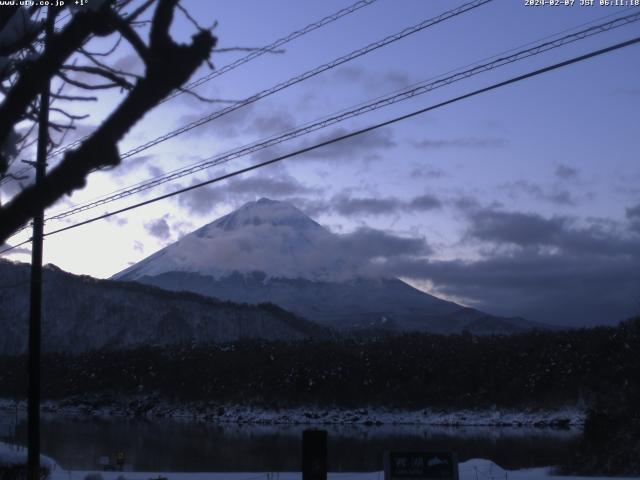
(527, 198)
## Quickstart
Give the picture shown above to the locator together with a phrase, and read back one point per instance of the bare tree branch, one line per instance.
(169, 65)
(108, 74)
(61, 46)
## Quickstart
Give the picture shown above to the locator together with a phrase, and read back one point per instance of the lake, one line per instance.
(179, 445)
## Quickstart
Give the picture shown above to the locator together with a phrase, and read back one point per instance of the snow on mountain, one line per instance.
(269, 251)
(266, 236)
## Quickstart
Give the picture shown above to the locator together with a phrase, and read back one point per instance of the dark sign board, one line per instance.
(420, 465)
(314, 455)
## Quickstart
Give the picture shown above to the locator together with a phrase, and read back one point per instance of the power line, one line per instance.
(227, 68)
(272, 46)
(309, 74)
(418, 89)
(465, 67)
(355, 133)
(249, 57)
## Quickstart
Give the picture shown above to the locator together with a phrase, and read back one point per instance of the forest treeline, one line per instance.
(537, 369)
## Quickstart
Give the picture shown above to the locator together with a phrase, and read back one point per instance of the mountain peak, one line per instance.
(261, 212)
(265, 235)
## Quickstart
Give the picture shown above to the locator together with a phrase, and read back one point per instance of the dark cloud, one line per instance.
(203, 200)
(155, 171)
(258, 120)
(562, 289)
(349, 206)
(386, 81)
(230, 125)
(427, 172)
(553, 194)
(363, 147)
(465, 142)
(120, 221)
(513, 227)
(159, 228)
(425, 202)
(565, 172)
(240, 190)
(138, 246)
(269, 122)
(263, 186)
(369, 244)
(556, 270)
(633, 213)
(559, 233)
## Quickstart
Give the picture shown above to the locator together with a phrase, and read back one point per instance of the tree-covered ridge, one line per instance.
(536, 369)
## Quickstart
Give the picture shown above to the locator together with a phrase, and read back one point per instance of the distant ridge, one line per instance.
(81, 313)
(269, 251)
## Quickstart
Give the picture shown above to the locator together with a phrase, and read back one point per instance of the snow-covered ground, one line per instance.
(11, 455)
(475, 469)
(241, 414)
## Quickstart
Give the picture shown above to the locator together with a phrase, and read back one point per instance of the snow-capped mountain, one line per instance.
(269, 251)
(262, 236)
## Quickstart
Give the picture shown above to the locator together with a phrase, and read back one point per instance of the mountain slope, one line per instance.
(82, 313)
(268, 251)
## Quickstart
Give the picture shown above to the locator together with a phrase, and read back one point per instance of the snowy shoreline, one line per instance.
(236, 414)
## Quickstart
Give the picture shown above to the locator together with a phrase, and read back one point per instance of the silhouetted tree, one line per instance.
(24, 69)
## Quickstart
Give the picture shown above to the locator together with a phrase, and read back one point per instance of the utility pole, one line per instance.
(35, 314)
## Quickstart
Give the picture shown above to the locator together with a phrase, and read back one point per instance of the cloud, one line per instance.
(349, 206)
(514, 227)
(271, 121)
(554, 194)
(120, 221)
(369, 243)
(559, 233)
(560, 288)
(230, 125)
(159, 228)
(464, 142)
(259, 120)
(565, 172)
(425, 171)
(363, 147)
(387, 81)
(242, 189)
(138, 246)
(263, 186)
(278, 239)
(425, 202)
(633, 213)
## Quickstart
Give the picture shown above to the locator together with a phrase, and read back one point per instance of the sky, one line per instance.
(523, 201)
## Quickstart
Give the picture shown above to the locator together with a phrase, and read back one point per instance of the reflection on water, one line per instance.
(174, 445)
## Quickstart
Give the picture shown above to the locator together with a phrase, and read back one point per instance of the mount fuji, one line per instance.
(269, 251)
